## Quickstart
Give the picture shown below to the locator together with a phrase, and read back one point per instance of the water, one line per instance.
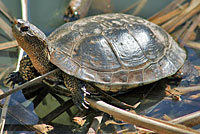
(48, 15)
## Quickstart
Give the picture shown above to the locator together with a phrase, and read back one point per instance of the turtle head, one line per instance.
(34, 42)
(28, 36)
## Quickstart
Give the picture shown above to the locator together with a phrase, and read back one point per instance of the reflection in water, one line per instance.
(20, 114)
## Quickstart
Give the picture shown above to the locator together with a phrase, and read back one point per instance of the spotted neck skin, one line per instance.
(34, 43)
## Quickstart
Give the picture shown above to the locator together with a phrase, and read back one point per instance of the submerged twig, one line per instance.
(8, 44)
(130, 7)
(40, 97)
(155, 125)
(61, 101)
(195, 23)
(169, 15)
(172, 19)
(178, 33)
(4, 113)
(5, 27)
(6, 13)
(174, 4)
(188, 89)
(185, 15)
(17, 110)
(193, 44)
(59, 110)
(139, 7)
(189, 120)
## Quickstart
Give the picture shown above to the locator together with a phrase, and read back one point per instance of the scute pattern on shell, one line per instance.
(115, 50)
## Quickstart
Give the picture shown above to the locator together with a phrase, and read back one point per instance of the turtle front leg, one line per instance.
(77, 89)
(26, 72)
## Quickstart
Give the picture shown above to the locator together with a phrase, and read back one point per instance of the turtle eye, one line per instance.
(18, 24)
(24, 28)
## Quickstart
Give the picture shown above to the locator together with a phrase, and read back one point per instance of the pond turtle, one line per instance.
(114, 51)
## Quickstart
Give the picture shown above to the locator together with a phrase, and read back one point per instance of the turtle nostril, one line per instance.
(24, 28)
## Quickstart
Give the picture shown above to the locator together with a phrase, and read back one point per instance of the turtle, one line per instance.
(116, 52)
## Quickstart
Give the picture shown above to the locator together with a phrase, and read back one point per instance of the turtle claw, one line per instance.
(86, 107)
(79, 98)
(85, 91)
(14, 78)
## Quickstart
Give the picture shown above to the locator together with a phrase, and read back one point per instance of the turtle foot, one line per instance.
(14, 78)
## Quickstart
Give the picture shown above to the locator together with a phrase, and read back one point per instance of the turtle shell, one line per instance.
(115, 51)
